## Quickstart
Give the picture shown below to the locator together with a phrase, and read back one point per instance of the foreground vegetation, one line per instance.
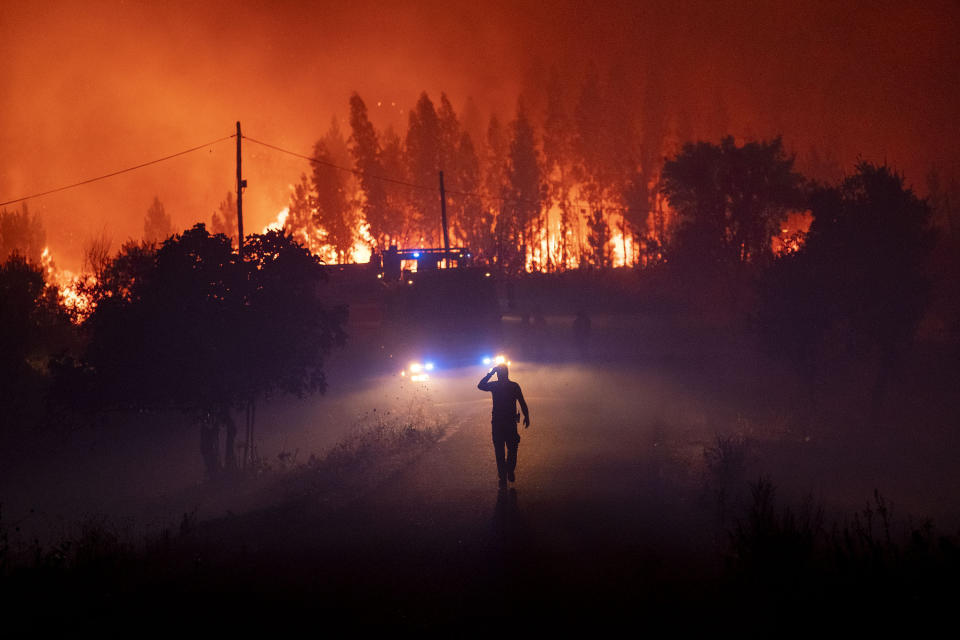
(777, 568)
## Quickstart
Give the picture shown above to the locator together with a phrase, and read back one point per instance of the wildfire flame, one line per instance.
(793, 233)
(69, 285)
(360, 252)
(279, 222)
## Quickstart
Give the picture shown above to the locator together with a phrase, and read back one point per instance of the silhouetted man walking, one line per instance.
(506, 395)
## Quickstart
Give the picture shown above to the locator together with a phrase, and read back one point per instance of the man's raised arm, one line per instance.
(484, 386)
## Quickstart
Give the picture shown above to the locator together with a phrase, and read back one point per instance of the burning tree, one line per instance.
(522, 196)
(423, 162)
(731, 200)
(603, 155)
(598, 240)
(557, 169)
(366, 152)
(225, 217)
(335, 212)
(473, 224)
(495, 169)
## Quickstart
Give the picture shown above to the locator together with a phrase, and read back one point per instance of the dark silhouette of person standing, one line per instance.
(506, 395)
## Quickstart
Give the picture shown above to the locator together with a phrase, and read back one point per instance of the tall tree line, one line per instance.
(497, 189)
(589, 174)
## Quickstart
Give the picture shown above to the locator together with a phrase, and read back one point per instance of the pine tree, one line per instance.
(397, 219)
(225, 218)
(157, 226)
(449, 141)
(473, 224)
(334, 213)
(599, 240)
(523, 197)
(494, 179)
(365, 149)
(301, 216)
(21, 233)
(423, 163)
(557, 151)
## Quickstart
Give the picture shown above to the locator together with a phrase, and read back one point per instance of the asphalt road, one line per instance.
(604, 511)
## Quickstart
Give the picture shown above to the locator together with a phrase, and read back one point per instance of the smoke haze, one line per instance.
(91, 87)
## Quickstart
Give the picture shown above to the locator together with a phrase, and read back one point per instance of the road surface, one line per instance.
(602, 513)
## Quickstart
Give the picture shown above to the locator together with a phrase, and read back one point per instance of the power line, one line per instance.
(356, 172)
(116, 173)
(359, 173)
(457, 192)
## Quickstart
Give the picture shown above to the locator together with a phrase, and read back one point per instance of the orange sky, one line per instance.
(90, 87)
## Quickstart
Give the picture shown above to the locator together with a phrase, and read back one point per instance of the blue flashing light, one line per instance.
(428, 366)
(416, 254)
(486, 360)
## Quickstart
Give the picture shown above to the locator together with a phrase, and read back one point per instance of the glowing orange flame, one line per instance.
(793, 233)
(70, 288)
(279, 222)
(360, 252)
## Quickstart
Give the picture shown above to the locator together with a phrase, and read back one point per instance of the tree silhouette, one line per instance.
(859, 284)
(334, 210)
(472, 224)
(290, 329)
(397, 223)
(122, 276)
(365, 149)
(558, 165)
(449, 141)
(588, 141)
(731, 200)
(495, 169)
(423, 163)
(21, 233)
(301, 215)
(160, 328)
(96, 254)
(638, 215)
(188, 326)
(598, 239)
(653, 114)
(523, 194)
(32, 328)
(225, 217)
(604, 145)
(157, 226)
(21, 288)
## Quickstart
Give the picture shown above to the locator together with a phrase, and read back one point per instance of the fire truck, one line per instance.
(430, 303)
(420, 304)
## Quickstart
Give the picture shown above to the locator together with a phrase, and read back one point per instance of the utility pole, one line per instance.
(248, 449)
(443, 218)
(241, 183)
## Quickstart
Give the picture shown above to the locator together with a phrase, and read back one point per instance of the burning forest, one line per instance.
(274, 278)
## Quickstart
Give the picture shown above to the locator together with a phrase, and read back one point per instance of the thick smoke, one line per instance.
(88, 88)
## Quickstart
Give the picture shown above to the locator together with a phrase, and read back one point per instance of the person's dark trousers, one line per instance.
(505, 437)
